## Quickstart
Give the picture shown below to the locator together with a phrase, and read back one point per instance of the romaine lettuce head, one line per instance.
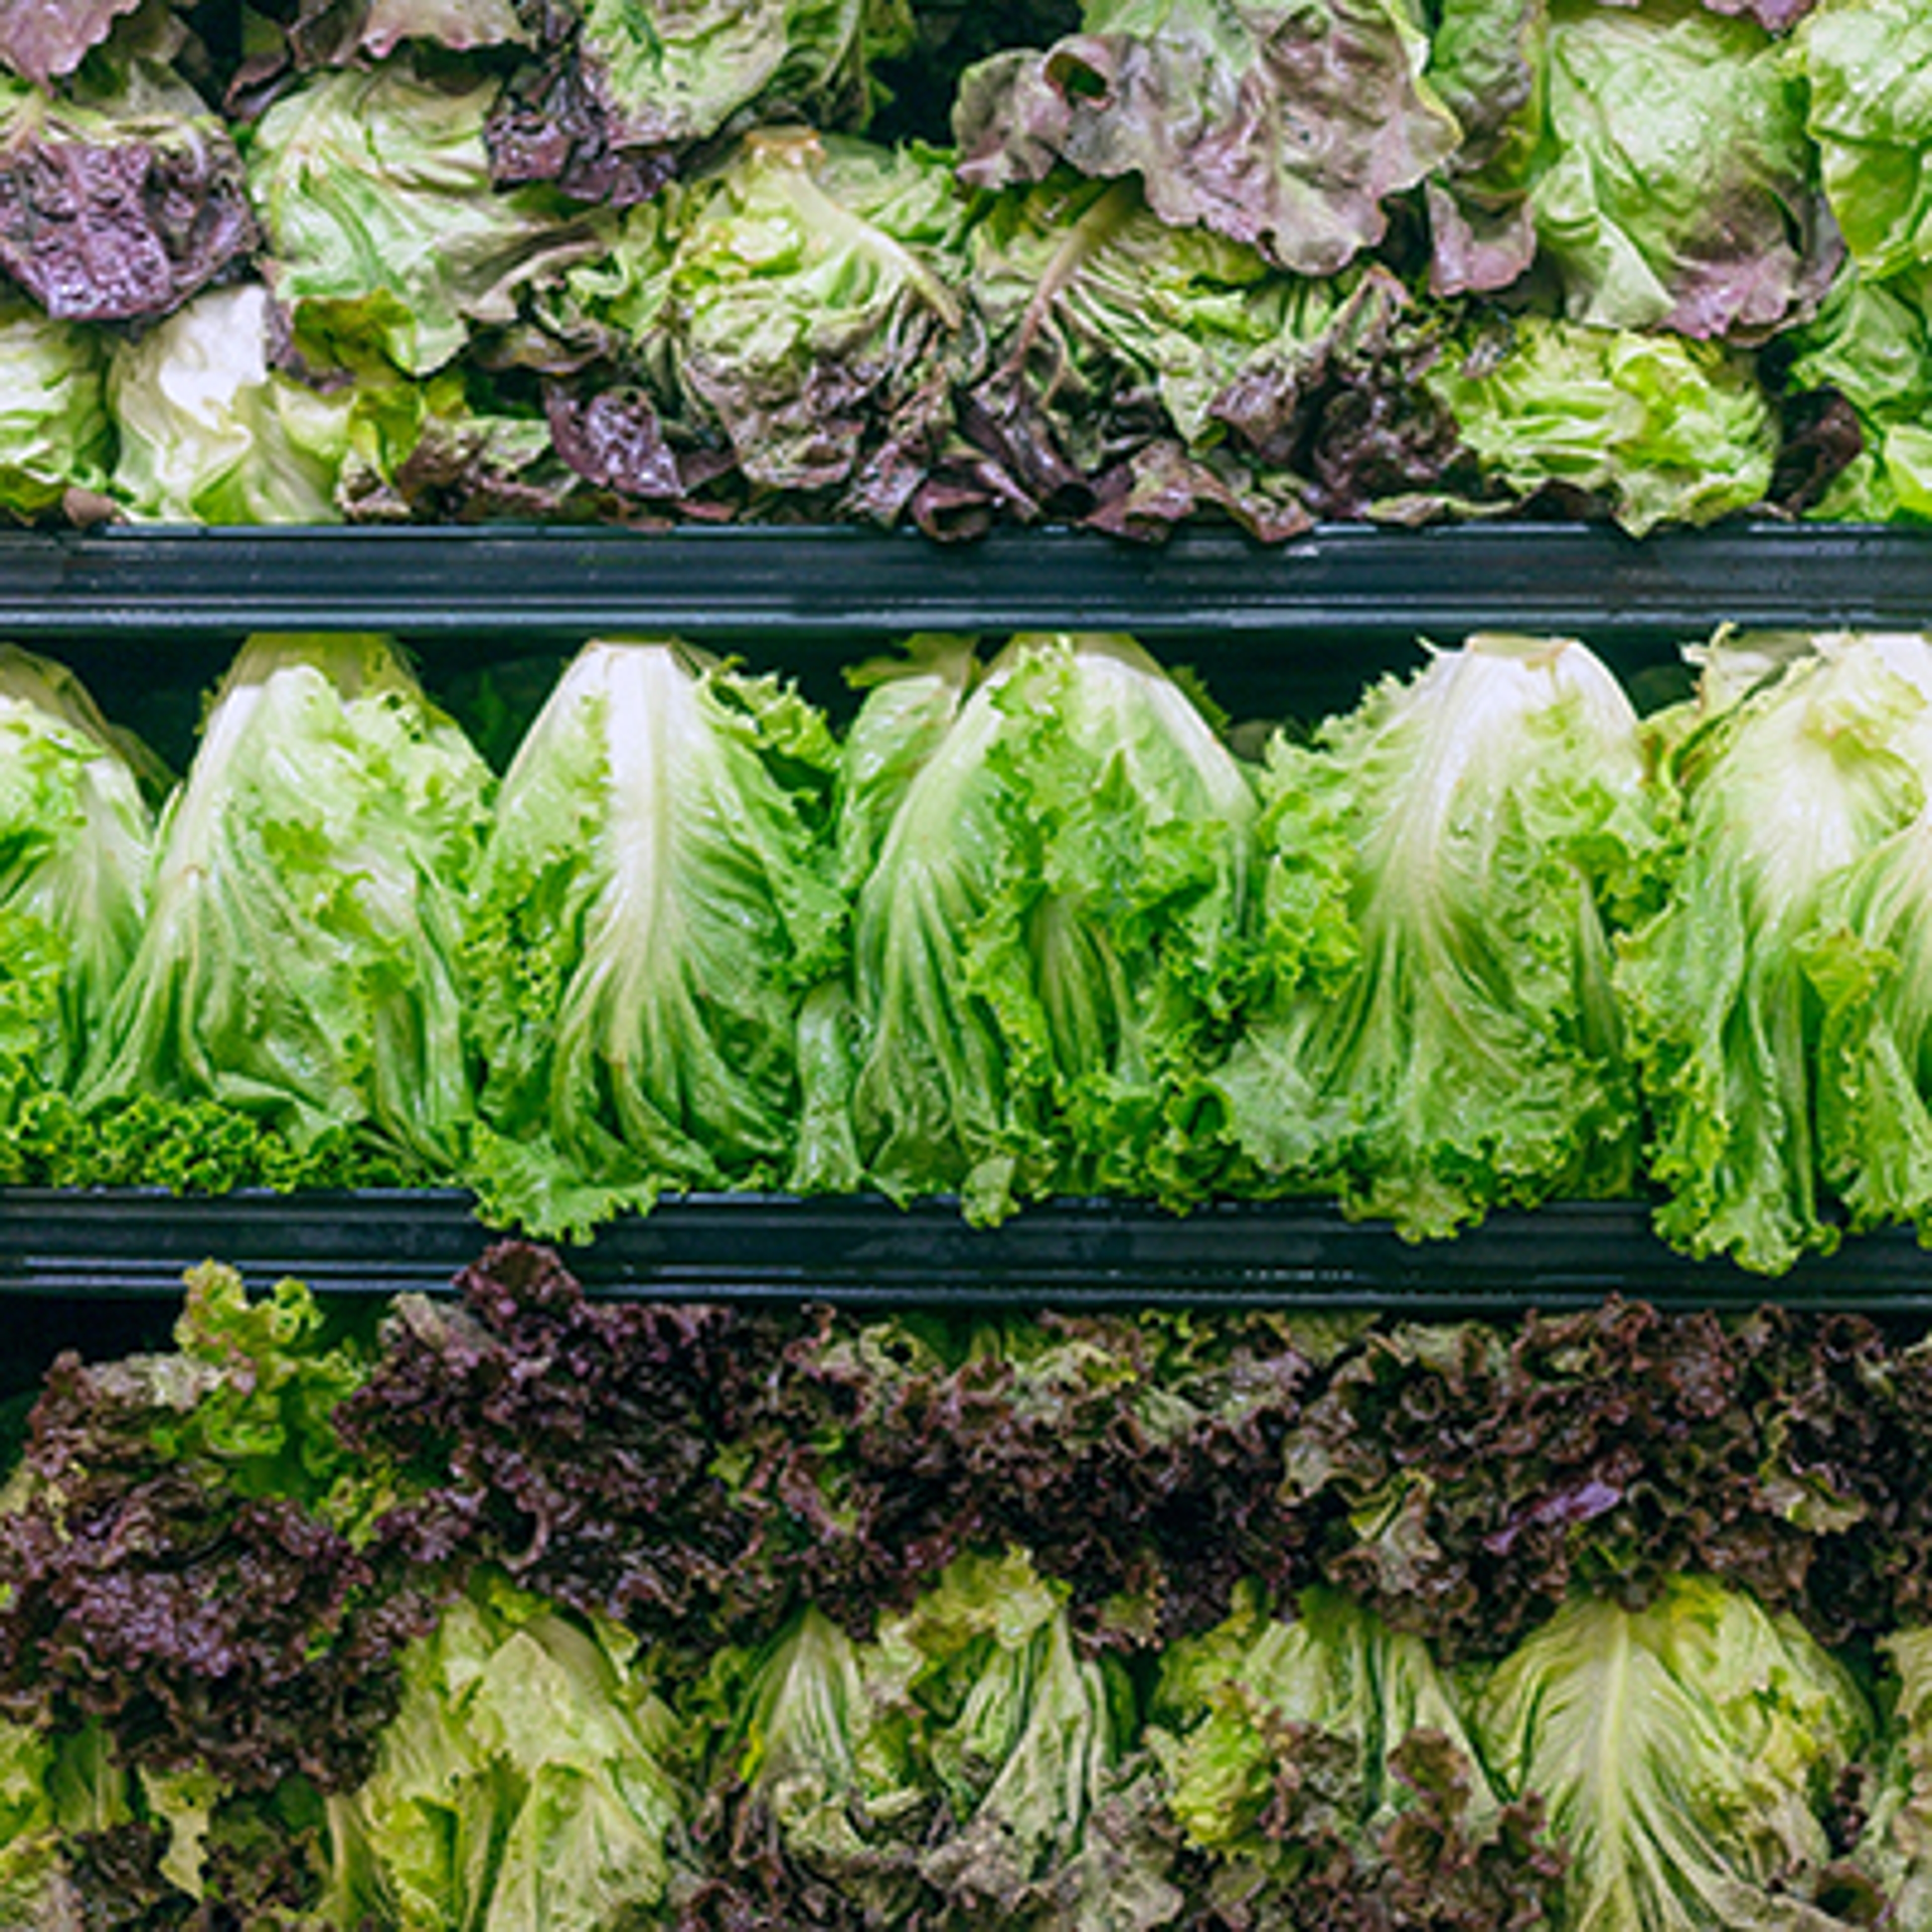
(1444, 866)
(384, 233)
(628, 86)
(77, 841)
(1866, 65)
(1786, 771)
(1315, 1765)
(655, 904)
(55, 435)
(1648, 426)
(1051, 933)
(211, 432)
(968, 1765)
(1686, 1753)
(798, 306)
(1279, 397)
(530, 1778)
(1285, 126)
(119, 205)
(295, 995)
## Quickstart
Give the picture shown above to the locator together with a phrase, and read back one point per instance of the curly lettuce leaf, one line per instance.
(655, 903)
(1444, 866)
(628, 89)
(1650, 428)
(296, 977)
(120, 206)
(1283, 126)
(1686, 1753)
(1050, 934)
(383, 230)
(1785, 775)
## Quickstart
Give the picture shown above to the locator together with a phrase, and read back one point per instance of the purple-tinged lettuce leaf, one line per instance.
(628, 87)
(44, 39)
(1285, 126)
(120, 208)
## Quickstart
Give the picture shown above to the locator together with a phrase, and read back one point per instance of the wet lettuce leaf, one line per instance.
(628, 89)
(1283, 126)
(1686, 1753)
(383, 232)
(1646, 428)
(1800, 758)
(1050, 936)
(1444, 867)
(121, 204)
(796, 309)
(295, 999)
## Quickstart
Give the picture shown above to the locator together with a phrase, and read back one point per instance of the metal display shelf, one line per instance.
(120, 1244)
(842, 586)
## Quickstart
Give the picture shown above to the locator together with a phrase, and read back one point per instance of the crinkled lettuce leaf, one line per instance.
(1050, 935)
(296, 980)
(529, 1778)
(1794, 764)
(629, 86)
(54, 433)
(1686, 1753)
(43, 39)
(1655, 155)
(1865, 65)
(120, 205)
(1135, 371)
(1444, 867)
(655, 902)
(797, 307)
(383, 231)
(1649, 428)
(211, 432)
(1285, 126)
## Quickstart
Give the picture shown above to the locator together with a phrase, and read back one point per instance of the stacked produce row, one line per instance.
(526, 1610)
(398, 260)
(1031, 925)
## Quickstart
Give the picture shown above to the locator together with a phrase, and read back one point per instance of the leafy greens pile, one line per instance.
(549, 1610)
(1118, 263)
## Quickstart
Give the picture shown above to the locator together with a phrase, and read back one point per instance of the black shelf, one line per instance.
(122, 1244)
(843, 586)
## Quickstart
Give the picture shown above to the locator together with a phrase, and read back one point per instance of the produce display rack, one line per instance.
(1298, 629)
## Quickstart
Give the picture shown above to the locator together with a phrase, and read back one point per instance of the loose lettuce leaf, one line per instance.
(211, 432)
(1050, 935)
(629, 88)
(76, 844)
(43, 39)
(527, 1779)
(334, 33)
(1283, 126)
(54, 434)
(1649, 428)
(1865, 64)
(383, 232)
(1896, 1846)
(1686, 1753)
(118, 207)
(296, 980)
(1443, 867)
(655, 901)
(1779, 780)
